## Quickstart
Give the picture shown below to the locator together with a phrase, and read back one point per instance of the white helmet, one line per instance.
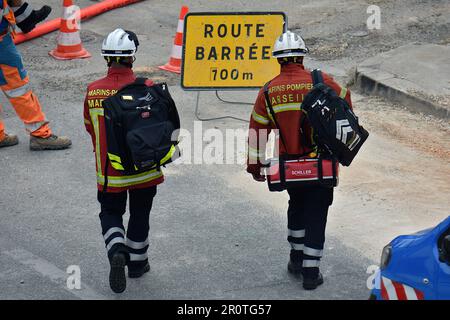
(120, 43)
(289, 44)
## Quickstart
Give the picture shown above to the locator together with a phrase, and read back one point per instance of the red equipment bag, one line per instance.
(282, 174)
(289, 171)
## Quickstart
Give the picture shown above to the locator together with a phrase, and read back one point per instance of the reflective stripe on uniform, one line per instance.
(8, 15)
(255, 153)
(113, 230)
(114, 241)
(95, 113)
(24, 14)
(117, 166)
(138, 257)
(311, 263)
(168, 155)
(115, 161)
(17, 92)
(312, 252)
(296, 233)
(5, 11)
(297, 246)
(137, 245)
(343, 93)
(125, 181)
(115, 158)
(259, 118)
(287, 107)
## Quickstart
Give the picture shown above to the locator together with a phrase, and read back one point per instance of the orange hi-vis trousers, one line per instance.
(14, 84)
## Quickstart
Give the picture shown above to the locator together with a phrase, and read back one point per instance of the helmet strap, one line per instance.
(288, 60)
(120, 60)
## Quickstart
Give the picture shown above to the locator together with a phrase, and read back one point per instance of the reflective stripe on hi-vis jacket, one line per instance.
(260, 118)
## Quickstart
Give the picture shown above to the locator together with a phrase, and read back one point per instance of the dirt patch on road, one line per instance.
(425, 133)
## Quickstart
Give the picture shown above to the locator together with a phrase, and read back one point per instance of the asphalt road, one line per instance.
(214, 232)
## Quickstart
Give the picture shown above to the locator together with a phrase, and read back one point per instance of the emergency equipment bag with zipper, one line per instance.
(141, 125)
(336, 127)
(289, 171)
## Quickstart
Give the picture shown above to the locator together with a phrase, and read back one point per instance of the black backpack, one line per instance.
(336, 127)
(141, 125)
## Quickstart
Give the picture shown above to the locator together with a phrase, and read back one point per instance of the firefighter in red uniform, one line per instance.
(308, 206)
(124, 247)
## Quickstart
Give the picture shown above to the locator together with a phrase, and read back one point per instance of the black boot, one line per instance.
(117, 280)
(294, 268)
(295, 263)
(118, 261)
(138, 269)
(36, 16)
(312, 282)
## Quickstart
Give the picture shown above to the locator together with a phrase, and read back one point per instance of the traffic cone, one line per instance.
(174, 64)
(69, 44)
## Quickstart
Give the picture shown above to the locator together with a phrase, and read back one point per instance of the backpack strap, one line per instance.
(105, 182)
(272, 112)
(305, 142)
(140, 81)
(317, 76)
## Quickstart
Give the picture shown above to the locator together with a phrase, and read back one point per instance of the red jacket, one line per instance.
(94, 122)
(286, 92)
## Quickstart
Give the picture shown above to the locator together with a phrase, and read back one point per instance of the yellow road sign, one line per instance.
(230, 50)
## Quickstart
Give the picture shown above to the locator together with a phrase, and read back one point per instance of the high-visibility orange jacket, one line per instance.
(14, 81)
(286, 92)
(95, 125)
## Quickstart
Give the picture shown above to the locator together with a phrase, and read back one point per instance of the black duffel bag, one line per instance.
(336, 127)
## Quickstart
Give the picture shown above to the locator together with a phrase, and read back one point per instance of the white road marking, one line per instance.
(52, 272)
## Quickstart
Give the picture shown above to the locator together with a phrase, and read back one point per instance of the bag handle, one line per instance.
(139, 82)
(317, 76)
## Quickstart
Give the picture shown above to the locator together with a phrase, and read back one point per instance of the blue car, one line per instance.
(416, 267)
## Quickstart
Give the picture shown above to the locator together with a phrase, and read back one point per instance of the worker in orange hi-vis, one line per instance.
(14, 83)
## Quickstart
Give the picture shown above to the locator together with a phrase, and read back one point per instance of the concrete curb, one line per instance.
(366, 80)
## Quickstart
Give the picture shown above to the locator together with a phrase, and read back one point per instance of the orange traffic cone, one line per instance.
(69, 44)
(174, 64)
